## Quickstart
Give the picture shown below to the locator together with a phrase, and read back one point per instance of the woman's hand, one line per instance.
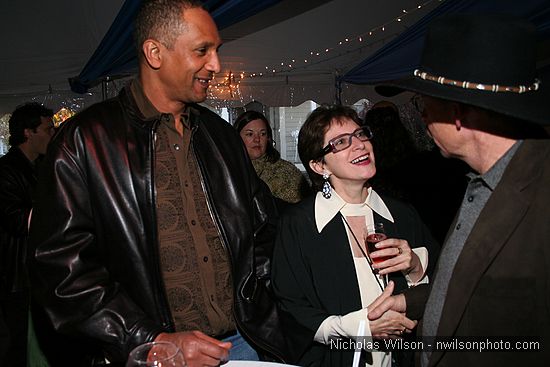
(402, 258)
(390, 323)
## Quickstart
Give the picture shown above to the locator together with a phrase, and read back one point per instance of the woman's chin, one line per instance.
(255, 155)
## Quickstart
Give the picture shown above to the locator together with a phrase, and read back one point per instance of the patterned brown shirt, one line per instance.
(195, 264)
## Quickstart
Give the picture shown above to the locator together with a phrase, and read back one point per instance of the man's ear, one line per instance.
(458, 124)
(459, 115)
(317, 167)
(27, 133)
(152, 51)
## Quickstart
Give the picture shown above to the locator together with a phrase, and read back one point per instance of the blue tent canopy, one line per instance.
(401, 56)
(116, 55)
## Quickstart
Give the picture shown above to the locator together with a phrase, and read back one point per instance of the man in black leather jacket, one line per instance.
(31, 128)
(144, 200)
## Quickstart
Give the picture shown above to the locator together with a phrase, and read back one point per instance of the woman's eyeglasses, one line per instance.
(342, 142)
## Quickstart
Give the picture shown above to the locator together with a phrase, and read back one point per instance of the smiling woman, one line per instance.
(323, 274)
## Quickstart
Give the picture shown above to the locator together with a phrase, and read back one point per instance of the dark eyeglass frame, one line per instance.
(331, 146)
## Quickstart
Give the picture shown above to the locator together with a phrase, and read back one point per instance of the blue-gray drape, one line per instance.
(116, 54)
(401, 56)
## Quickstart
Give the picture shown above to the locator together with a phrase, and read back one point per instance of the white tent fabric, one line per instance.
(48, 42)
(338, 30)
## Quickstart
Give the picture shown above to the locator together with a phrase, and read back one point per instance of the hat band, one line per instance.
(477, 86)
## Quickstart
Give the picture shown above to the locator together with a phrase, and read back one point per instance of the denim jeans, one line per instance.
(241, 350)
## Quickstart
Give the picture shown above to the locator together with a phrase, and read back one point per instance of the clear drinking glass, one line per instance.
(158, 354)
(375, 234)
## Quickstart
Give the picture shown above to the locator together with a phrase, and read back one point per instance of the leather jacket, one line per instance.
(96, 269)
(17, 182)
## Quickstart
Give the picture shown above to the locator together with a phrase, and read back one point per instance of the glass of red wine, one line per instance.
(376, 233)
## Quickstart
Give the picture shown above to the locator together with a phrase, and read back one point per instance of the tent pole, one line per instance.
(337, 88)
(103, 90)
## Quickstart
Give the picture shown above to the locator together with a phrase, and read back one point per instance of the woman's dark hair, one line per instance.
(271, 153)
(312, 135)
(394, 149)
(393, 142)
(26, 116)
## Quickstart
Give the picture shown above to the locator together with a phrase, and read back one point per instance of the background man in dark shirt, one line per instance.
(31, 128)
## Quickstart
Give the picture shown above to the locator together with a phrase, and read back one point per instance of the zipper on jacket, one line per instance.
(167, 323)
(213, 215)
(223, 239)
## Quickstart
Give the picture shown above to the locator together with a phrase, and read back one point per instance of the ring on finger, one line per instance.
(400, 250)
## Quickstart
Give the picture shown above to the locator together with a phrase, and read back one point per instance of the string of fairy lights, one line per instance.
(227, 86)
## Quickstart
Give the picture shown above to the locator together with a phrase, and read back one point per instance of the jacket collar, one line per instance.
(144, 109)
(327, 209)
(16, 151)
(138, 105)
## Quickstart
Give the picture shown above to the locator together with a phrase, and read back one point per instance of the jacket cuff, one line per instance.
(147, 331)
(416, 298)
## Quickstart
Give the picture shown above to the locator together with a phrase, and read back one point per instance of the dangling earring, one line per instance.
(327, 189)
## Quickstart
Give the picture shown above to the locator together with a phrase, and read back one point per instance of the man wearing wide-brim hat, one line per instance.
(483, 103)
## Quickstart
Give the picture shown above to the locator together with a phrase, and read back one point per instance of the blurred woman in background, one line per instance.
(284, 179)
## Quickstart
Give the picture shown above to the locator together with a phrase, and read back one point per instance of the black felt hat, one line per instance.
(485, 61)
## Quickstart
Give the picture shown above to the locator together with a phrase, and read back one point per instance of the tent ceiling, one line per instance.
(50, 42)
(279, 12)
(387, 63)
(47, 42)
(315, 30)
